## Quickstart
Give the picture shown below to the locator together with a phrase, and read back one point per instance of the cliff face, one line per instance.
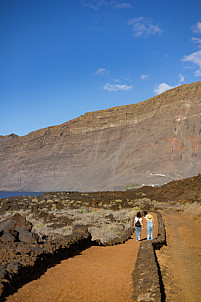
(151, 142)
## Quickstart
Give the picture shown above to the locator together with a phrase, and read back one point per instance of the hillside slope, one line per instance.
(152, 142)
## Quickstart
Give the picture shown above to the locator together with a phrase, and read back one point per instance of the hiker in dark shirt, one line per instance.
(138, 225)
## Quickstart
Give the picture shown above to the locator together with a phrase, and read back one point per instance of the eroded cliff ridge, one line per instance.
(152, 142)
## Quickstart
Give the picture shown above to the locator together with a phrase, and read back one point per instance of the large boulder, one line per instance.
(15, 221)
(17, 228)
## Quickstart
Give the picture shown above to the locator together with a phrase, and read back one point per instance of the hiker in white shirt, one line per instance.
(150, 225)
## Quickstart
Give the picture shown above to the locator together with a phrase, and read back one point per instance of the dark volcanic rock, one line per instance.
(26, 236)
(26, 259)
(3, 273)
(14, 222)
(8, 237)
(15, 229)
(152, 142)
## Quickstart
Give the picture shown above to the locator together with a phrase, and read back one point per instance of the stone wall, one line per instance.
(147, 281)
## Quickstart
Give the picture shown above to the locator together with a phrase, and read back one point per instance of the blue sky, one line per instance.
(62, 58)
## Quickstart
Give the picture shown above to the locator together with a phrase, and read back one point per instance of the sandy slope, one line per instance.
(97, 274)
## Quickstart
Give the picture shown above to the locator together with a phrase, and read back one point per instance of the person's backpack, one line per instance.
(138, 224)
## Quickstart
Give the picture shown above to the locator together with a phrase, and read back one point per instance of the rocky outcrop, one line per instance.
(16, 229)
(24, 256)
(152, 142)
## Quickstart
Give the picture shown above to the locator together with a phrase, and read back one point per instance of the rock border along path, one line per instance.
(147, 281)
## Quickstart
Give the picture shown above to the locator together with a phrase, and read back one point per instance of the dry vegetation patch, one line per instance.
(52, 217)
(193, 210)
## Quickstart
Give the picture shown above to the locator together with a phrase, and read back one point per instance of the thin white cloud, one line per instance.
(117, 87)
(143, 27)
(197, 73)
(97, 4)
(121, 79)
(194, 58)
(101, 71)
(144, 76)
(123, 5)
(197, 41)
(197, 28)
(162, 87)
(181, 79)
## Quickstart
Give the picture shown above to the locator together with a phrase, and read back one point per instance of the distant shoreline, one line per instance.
(7, 194)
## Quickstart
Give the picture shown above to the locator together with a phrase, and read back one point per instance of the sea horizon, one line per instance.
(7, 194)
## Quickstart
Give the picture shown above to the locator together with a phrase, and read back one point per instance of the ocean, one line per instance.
(6, 194)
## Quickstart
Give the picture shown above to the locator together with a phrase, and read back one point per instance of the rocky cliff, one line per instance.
(152, 142)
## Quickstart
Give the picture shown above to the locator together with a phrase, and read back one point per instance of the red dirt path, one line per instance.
(98, 274)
